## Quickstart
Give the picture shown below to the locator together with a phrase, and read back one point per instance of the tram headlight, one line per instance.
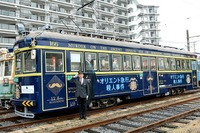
(17, 91)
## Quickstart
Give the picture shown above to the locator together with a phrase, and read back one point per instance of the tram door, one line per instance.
(194, 74)
(150, 84)
(53, 77)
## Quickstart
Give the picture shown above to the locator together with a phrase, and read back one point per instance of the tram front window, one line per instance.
(29, 64)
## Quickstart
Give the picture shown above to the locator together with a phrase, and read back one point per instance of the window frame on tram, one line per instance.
(145, 65)
(127, 61)
(93, 61)
(28, 67)
(136, 62)
(75, 67)
(116, 62)
(18, 63)
(54, 64)
(8, 68)
(104, 58)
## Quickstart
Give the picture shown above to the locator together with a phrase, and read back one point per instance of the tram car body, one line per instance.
(45, 63)
(198, 67)
(6, 77)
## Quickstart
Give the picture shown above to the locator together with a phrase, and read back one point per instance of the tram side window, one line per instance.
(136, 62)
(183, 64)
(54, 62)
(167, 63)
(116, 62)
(194, 65)
(18, 64)
(90, 62)
(76, 61)
(178, 64)
(188, 65)
(160, 64)
(127, 62)
(104, 62)
(153, 63)
(198, 65)
(29, 64)
(173, 66)
(8, 68)
(144, 63)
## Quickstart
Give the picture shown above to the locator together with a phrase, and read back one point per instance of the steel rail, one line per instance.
(108, 121)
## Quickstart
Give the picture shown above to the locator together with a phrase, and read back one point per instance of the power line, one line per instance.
(191, 4)
(85, 5)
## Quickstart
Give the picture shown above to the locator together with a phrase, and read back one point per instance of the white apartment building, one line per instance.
(113, 19)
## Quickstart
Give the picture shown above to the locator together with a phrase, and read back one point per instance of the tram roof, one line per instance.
(83, 39)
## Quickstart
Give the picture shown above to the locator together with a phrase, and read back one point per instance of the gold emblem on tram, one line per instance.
(53, 85)
(188, 80)
(133, 84)
(150, 80)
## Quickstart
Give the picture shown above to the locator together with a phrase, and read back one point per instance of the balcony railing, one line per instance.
(7, 13)
(7, 40)
(10, 1)
(7, 27)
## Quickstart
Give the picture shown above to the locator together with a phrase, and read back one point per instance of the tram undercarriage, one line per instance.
(103, 103)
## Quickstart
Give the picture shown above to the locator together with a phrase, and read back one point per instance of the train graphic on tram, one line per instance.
(117, 70)
(6, 77)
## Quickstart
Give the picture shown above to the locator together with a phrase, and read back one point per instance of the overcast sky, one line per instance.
(176, 16)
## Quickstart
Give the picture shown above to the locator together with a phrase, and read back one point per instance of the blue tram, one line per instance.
(117, 70)
(198, 72)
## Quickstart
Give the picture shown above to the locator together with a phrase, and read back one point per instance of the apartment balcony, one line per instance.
(105, 11)
(130, 5)
(6, 45)
(8, 4)
(85, 25)
(60, 10)
(106, 20)
(64, 3)
(106, 3)
(8, 29)
(138, 38)
(136, 22)
(122, 15)
(136, 31)
(134, 13)
(8, 15)
(8, 1)
(121, 24)
(121, 6)
(154, 28)
(61, 14)
(107, 31)
(7, 41)
(87, 28)
(84, 18)
(32, 6)
(8, 32)
(40, 6)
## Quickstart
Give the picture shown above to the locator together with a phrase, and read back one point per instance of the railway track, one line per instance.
(148, 120)
(57, 123)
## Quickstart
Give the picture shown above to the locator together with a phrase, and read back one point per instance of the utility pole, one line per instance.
(194, 45)
(188, 40)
